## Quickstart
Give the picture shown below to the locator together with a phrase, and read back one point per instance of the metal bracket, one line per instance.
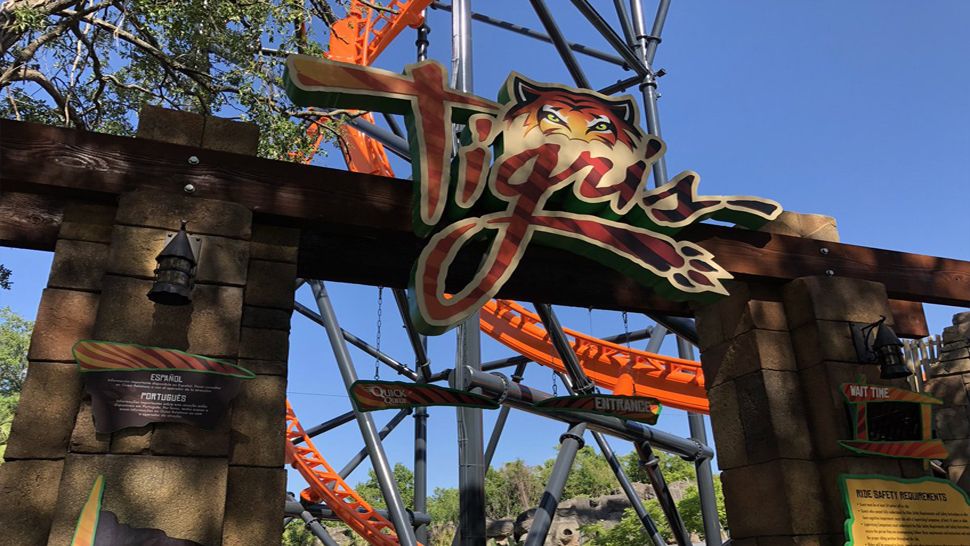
(571, 436)
(862, 351)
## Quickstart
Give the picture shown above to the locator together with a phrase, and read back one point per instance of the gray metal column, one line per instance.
(503, 416)
(313, 524)
(471, 457)
(705, 475)
(421, 469)
(355, 461)
(382, 468)
(646, 46)
(569, 444)
(627, 487)
(578, 381)
(651, 464)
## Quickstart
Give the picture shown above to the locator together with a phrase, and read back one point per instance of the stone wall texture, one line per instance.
(774, 358)
(949, 380)
(220, 486)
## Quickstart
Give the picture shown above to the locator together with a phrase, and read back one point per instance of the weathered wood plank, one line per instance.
(29, 220)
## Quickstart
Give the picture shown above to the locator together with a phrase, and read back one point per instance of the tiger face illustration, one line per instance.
(578, 122)
(584, 116)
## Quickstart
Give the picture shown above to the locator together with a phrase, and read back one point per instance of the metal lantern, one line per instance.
(175, 274)
(889, 352)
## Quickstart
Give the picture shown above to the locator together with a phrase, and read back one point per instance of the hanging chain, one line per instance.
(555, 384)
(380, 313)
(626, 329)
(589, 311)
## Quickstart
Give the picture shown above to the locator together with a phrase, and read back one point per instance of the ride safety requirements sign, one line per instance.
(887, 511)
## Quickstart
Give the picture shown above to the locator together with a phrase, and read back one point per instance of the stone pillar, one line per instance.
(949, 380)
(40, 436)
(221, 486)
(774, 358)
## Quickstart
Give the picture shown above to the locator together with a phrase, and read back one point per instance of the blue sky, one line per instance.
(856, 110)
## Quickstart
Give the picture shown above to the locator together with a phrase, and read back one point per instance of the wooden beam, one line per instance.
(29, 220)
(357, 227)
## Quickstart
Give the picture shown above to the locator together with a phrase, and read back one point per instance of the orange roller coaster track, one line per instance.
(327, 486)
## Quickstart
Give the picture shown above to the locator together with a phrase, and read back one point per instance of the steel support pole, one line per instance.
(382, 468)
(547, 315)
(322, 511)
(471, 456)
(569, 444)
(559, 41)
(578, 381)
(503, 416)
(651, 464)
(627, 486)
(421, 469)
(705, 475)
(660, 331)
(296, 509)
(529, 33)
(648, 87)
(635, 501)
(524, 398)
(418, 342)
(603, 26)
(355, 461)
(326, 426)
(624, 21)
(360, 344)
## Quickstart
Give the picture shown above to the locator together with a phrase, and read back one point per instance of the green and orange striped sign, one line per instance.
(635, 408)
(134, 385)
(378, 395)
(101, 356)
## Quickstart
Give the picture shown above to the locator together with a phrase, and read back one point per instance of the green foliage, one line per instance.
(14, 341)
(512, 489)
(591, 476)
(690, 508)
(8, 408)
(443, 505)
(628, 532)
(94, 64)
(296, 533)
(371, 489)
(674, 468)
(5, 282)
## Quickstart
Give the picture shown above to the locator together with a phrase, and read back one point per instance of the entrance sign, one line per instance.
(888, 511)
(636, 408)
(132, 385)
(892, 422)
(565, 167)
(379, 395)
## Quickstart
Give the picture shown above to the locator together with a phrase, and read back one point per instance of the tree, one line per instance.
(629, 531)
(296, 533)
(371, 489)
(674, 468)
(91, 64)
(512, 489)
(5, 282)
(690, 508)
(14, 340)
